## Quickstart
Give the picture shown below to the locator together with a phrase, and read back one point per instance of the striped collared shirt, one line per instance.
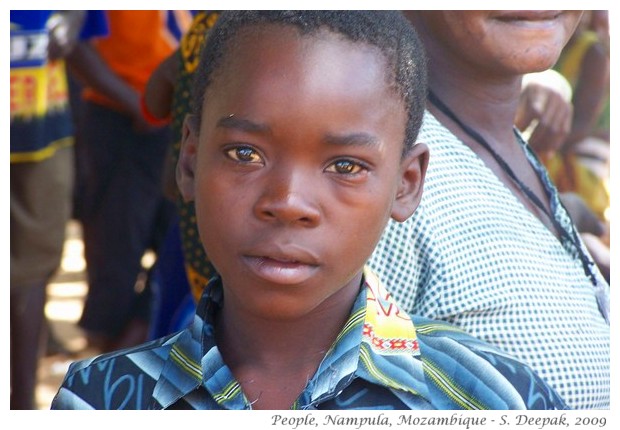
(382, 359)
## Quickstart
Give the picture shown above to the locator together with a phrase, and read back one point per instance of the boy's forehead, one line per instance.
(282, 73)
(272, 37)
(269, 45)
(260, 40)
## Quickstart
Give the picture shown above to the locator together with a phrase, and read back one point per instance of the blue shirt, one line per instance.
(382, 359)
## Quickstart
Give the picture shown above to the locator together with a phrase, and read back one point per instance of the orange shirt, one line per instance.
(138, 41)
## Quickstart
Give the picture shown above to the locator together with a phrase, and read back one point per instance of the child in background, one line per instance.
(120, 159)
(42, 151)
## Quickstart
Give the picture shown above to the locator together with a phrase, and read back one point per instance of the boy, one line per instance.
(299, 151)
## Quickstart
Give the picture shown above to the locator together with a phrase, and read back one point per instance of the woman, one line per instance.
(495, 252)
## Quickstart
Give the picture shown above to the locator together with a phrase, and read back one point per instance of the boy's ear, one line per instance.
(413, 170)
(186, 166)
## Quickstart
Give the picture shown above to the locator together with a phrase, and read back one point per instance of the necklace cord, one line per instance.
(571, 235)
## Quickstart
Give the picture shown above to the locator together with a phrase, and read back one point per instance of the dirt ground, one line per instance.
(65, 299)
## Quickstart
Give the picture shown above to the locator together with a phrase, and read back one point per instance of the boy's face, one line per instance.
(296, 169)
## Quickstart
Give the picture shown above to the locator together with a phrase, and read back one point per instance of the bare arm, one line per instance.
(88, 66)
(545, 107)
(64, 27)
(589, 93)
(160, 87)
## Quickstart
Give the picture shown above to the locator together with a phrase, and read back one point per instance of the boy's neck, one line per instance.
(274, 359)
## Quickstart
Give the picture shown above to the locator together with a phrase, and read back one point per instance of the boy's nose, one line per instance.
(287, 198)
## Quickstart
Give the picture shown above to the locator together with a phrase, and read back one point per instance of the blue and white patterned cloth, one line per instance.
(380, 360)
(473, 255)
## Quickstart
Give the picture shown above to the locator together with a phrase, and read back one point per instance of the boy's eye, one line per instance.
(244, 154)
(345, 167)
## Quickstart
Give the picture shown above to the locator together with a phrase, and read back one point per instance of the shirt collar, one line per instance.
(377, 343)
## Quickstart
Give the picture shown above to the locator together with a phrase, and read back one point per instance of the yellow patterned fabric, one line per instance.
(40, 117)
(567, 172)
(198, 268)
(571, 175)
(387, 329)
(569, 64)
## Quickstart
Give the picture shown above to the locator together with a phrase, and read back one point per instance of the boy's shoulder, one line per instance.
(454, 359)
(459, 370)
(124, 379)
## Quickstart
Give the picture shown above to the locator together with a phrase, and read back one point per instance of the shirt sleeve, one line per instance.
(466, 373)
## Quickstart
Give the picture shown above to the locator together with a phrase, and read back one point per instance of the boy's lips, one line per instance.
(282, 268)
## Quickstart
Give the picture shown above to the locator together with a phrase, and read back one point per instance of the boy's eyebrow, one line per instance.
(241, 124)
(357, 139)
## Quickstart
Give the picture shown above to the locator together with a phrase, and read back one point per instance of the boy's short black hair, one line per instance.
(389, 31)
